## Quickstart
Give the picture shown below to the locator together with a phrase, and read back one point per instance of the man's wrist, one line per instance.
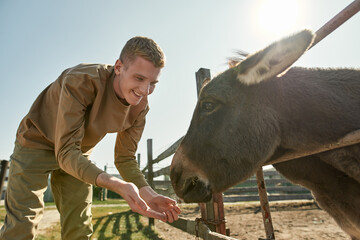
(147, 193)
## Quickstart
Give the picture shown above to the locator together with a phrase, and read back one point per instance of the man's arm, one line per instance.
(75, 95)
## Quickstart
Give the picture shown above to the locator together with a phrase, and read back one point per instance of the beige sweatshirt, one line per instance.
(75, 112)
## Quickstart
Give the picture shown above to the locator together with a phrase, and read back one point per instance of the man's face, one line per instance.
(135, 80)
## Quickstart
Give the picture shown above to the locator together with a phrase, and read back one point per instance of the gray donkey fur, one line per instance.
(257, 110)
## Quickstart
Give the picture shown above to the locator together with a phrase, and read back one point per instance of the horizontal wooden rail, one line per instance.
(350, 139)
(337, 21)
(271, 198)
(270, 190)
(250, 182)
(167, 153)
(204, 232)
(253, 182)
(161, 172)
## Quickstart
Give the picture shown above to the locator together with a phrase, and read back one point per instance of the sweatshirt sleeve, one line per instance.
(125, 149)
(76, 95)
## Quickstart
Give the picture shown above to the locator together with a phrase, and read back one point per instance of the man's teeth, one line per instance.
(138, 94)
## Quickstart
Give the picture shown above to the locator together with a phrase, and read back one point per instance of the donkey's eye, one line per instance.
(208, 106)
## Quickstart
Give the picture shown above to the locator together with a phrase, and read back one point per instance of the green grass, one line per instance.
(121, 224)
(109, 201)
(114, 222)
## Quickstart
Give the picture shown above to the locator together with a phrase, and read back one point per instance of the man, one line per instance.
(63, 125)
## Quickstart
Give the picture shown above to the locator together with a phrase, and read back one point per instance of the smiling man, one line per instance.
(64, 124)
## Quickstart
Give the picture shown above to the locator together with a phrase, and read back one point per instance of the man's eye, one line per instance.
(208, 106)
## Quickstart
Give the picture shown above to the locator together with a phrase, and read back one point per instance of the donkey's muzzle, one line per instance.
(190, 189)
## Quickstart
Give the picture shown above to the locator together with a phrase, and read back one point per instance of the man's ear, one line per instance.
(118, 66)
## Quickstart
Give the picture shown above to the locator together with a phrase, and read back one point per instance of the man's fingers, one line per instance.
(176, 209)
(171, 216)
(173, 205)
(153, 214)
(146, 211)
(175, 214)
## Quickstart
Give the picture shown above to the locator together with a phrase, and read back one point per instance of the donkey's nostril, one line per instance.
(194, 180)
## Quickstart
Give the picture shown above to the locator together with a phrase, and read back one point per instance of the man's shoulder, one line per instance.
(91, 68)
(87, 72)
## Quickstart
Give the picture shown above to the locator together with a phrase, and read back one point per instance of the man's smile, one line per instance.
(137, 94)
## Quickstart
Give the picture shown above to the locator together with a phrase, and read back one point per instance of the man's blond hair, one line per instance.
(143, 47)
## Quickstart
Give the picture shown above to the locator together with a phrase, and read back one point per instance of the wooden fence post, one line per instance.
(212, 211)
(138, 159)
(265, 208)
(104, 190)
(150, 176)
(4, 167)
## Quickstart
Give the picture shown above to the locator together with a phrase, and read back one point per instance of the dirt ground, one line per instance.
(291, 220)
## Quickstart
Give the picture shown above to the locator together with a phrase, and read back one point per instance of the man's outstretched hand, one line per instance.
(160, 203)
(145, 202)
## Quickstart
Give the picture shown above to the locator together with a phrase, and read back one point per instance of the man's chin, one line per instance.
(134, 103)
(133, 100)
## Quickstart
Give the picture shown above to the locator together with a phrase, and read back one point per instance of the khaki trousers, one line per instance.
(24, 203)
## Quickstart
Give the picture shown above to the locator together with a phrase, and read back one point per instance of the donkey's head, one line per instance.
(233, 130)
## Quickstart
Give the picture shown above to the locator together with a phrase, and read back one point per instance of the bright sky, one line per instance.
(40, 38)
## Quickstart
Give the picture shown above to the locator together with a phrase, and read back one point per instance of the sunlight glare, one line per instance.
(277, 17)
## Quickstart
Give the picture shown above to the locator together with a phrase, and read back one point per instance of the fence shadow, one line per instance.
(123, 225)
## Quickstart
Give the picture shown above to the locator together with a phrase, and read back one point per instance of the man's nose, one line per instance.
(145, 89)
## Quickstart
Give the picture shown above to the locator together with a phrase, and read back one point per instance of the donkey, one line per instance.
(262, 108)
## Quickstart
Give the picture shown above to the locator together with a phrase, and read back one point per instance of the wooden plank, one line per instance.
(167, 153)
(162, 182)
(271, 198)
(163, 171)
(337, 21)
(265, 208)
(204, 232)
(277, 189)
(349, 139)
(252, 182)
(270, 173)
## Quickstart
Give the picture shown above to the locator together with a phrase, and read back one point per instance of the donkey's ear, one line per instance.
(274, 59)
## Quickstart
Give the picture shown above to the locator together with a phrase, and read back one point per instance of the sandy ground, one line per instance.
(51, 217)
(291, 220)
